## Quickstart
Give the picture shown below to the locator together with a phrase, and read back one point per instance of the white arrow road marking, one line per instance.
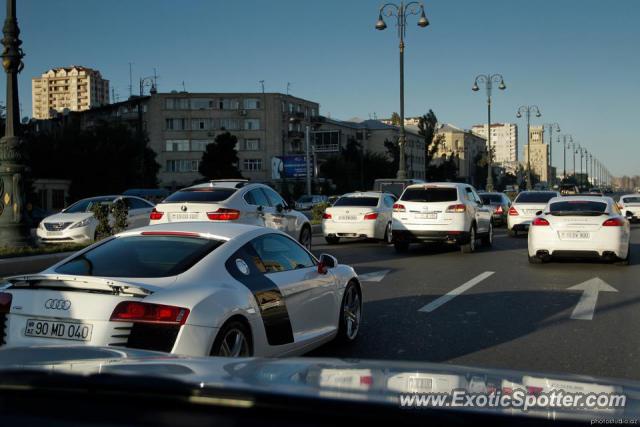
(587, 304)
(455, 292)
(374, 276)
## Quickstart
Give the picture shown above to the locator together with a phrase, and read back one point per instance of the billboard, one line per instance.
(290, 167)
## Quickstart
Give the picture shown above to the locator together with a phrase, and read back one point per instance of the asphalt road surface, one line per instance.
(494, 309)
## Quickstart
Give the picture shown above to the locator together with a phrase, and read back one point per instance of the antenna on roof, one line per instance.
(155, 79)
(184, 88)
(288, 86)
(262, 85)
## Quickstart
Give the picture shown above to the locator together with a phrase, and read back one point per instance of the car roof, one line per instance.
(222, 183)
(438, 184)
(224, 230)
(580, 197)
(365, 194)
(492, 193)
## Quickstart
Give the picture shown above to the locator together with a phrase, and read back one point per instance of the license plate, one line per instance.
(59, 330)
(531, 211)
(183, 216)
(54, 233)
(419, 384)
(574, 235)
(427, 215)
(347, 218)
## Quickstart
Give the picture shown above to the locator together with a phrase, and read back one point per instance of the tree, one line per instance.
(427, 127)
(395, 119)
(220, 158)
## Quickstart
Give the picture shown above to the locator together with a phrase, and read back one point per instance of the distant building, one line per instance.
(539, 154)
(464, 145)
(72, 88)
(408, 121)
(504, 141)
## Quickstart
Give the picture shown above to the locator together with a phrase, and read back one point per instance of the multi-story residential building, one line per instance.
(504, 141)
(539, 152)
(464, 145)
(72, 88)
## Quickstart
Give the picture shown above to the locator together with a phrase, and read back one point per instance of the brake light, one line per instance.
(613, 222)
(143, 312)
(5, 302)
(326, 216)
(534, 390)
(537, 221)
(372, 215)
(513, 211)
(459, 208)
(155, 215)
(397, 207)
(223, 214)
(499, 210)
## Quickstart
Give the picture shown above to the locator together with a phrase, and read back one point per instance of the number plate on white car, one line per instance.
(347, 218)
(574, 235)
(183, 216)
(59, 330)
(427, 216)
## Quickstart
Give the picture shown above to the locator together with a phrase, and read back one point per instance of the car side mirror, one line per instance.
(538, 213)
(326, 262)
(279, 208)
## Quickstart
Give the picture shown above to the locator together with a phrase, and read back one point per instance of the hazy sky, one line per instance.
(578, 60)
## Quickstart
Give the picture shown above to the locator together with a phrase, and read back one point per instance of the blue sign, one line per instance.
(290, 167)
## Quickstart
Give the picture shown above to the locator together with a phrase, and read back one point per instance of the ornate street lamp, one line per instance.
(401, 12)
(551, 127)
(488, 80)
(527, 110)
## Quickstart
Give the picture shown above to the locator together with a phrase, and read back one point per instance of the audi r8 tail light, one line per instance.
(142, 312)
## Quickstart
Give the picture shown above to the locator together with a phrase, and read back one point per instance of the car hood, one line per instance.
(68, 217)
(373, 381)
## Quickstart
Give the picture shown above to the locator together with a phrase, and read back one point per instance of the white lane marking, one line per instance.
(455, 292)
(374, 276)
(587, 305)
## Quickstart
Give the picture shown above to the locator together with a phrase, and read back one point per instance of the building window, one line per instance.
(200, 124)
(175, 124)
(291, 108)
(200, 144)
(228, 104)
(251, 124)
(176, 103)
(252, 144)
(177, 145)
(252, 164)
(183, 165)
(202, 103)
(230, 124)
(251, 104)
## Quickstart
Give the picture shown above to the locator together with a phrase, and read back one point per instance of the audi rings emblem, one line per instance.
(57, 304)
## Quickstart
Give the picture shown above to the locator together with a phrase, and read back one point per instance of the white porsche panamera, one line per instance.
(580, 226)
(188, 288)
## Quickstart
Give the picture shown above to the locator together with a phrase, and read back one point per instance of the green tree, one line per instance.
(395, 119)
(427, 127)
(220, 158)
(120, 214)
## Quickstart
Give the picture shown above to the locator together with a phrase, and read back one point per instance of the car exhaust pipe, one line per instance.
(543, 255)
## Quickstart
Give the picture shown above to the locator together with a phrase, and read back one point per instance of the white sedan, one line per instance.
(362, 214)
(76, 224)
(580, 226)
(189, 288)
(630, 206)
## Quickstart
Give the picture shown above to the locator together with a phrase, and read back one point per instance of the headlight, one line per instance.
(41, 225)
(82, 223)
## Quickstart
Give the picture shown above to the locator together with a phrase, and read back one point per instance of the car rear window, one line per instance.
(434, 195)
(357, 201)
(577, 207)
(490, 198)
(200, 195)
(540, 197)
(631, 200)
(140, 256)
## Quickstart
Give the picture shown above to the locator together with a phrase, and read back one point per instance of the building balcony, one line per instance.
(295, 134)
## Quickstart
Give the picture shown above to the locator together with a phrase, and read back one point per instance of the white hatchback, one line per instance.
(237, 201)
(524, 209)
(441, 212)
(361, 214)
(580, 226)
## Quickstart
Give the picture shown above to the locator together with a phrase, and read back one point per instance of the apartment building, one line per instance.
(464, 145)
(73, 88)
(538, 152)
(504, 141)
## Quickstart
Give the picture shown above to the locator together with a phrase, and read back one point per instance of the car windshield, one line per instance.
(577, 207)
(140, 256)
(87, 204)
(631, 200)
(430, 194)
(489, 199)
(200, 195)
(534, 197)
(356, 201)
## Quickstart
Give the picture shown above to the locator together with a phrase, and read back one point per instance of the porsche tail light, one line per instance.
(397, 207)
(143, 312)
(613, 222)
(223, 214)
(459, 208)
(155, 215)
(538, 222)
(371, 215)
(513, 211)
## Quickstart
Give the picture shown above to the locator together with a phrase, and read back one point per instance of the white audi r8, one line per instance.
(188, 288)
(580, 226)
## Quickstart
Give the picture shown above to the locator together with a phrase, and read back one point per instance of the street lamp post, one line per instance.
(401, 12)
(527, 110)
(551, 127)
(12, 226)
(566, 142)
(488, 80)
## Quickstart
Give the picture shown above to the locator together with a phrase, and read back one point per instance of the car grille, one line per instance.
(56, 226)
(146, 337)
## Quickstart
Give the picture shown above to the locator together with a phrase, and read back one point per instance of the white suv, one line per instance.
(441, 212)
(233, 201)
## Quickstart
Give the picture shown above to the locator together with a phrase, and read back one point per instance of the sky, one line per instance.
(577, 60)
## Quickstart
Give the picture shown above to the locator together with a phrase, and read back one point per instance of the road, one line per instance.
(487, 309)
(501, 311)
